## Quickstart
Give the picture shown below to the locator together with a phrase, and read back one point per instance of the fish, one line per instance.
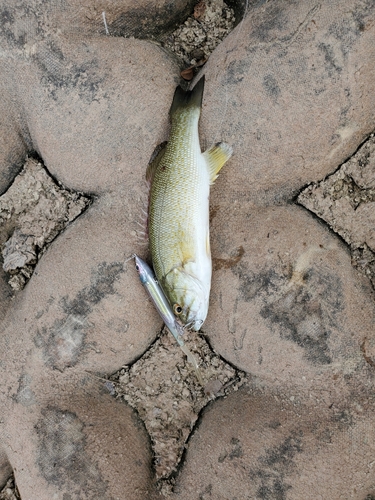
(164, 309)
(180, 176)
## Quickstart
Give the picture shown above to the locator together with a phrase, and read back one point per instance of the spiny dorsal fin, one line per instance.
(187, 98)
(156, 156)
(216, 157)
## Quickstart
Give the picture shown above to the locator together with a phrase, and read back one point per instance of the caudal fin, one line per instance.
(187, 98)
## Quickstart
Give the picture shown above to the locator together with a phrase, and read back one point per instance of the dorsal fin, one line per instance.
(216, 157)
(155, 159)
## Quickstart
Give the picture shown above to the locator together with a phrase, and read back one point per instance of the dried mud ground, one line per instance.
(35, 210)
(162, 386)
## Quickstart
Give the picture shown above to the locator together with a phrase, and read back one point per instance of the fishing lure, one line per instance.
(161, 303)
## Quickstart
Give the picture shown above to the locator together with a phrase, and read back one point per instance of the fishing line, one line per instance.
(129, 258)
(105, 23)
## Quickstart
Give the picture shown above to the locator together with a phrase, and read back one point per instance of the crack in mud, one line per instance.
(345, 200)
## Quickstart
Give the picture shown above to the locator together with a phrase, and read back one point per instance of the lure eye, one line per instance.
(177, 309)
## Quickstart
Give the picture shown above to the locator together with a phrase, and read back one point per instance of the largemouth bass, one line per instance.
(178, 222)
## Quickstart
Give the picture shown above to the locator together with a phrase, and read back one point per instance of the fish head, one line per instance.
(187, 296)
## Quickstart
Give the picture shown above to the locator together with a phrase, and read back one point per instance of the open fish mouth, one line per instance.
(193, 315)
(195, 324)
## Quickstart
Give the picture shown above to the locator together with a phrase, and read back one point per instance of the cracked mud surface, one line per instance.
(33, 211)
(345, 200)
(290, 352)
(163, 388)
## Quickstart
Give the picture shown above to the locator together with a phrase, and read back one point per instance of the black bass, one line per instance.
(178, 221)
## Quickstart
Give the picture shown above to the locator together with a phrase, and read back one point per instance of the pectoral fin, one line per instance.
(216, 157)
(155, 159)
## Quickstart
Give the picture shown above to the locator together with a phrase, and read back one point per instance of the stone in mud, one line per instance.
(292, 90)
(259, 444)
(290, 309)
(82, 444)
(24, 24)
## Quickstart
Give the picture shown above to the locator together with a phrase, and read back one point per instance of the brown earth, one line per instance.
(292, 414)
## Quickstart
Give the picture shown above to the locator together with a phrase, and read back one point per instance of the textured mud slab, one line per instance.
(345, 200)
(281, 449)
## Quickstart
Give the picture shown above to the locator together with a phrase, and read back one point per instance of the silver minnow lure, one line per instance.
(161, 303)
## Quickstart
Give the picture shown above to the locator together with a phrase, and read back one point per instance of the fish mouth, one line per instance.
(193, 317)
(195, 324)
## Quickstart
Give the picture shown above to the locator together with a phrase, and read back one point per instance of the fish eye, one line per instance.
(177, 309)
(137, 267)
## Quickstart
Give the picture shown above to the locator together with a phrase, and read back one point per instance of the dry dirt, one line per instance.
(196, 39)
(163, 388)
(33, 211)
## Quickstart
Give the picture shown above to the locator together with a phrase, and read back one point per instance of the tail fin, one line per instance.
(188, 98)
